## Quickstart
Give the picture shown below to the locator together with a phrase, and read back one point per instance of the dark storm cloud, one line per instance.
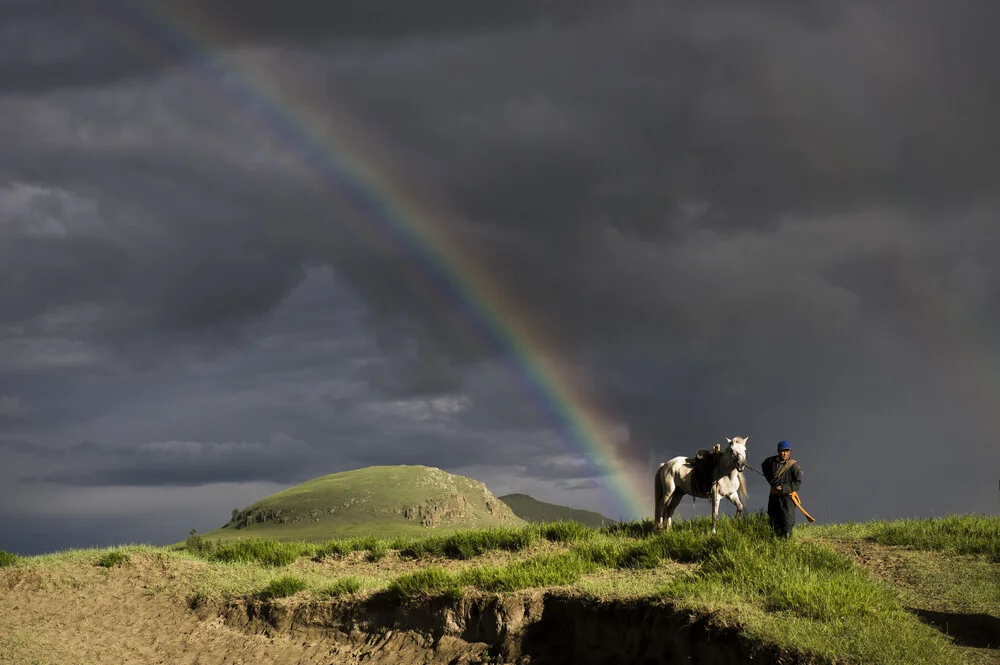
(775, 220)
(616, 146)
(185, 463)
(574, 469)
(41, 274)
(581, 158)
(65, 43)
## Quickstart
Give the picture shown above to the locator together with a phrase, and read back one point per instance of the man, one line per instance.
(785, 476)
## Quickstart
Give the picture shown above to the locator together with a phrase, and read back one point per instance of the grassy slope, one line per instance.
(841, 592)
(371, 502)
(533, 510)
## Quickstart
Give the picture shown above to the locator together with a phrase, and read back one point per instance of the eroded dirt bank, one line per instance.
(536, 627)
(142, 614)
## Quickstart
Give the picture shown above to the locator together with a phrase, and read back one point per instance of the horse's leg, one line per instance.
(734, 497)
(659, 500)
(674, 500)
(715, 506)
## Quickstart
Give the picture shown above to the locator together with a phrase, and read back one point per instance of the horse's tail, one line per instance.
(660, 490)
(743, 487)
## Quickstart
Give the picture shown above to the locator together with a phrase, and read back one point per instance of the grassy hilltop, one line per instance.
(881, 593)
(386, 501)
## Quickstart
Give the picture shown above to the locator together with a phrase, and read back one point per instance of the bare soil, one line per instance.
(84, 615)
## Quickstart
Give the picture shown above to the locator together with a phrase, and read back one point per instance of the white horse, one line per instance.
(675, 478)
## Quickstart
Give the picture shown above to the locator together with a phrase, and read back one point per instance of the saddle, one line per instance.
(703, 462)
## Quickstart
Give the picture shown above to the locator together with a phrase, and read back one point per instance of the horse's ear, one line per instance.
(729, 440)
(745, 439)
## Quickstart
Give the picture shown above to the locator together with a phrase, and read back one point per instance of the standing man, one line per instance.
(785, 476)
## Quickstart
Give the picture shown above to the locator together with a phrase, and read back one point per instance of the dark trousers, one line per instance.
(781, 514)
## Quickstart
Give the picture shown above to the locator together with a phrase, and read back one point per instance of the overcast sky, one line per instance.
(773, 219)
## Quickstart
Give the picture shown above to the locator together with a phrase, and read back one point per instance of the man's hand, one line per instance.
(778, 487)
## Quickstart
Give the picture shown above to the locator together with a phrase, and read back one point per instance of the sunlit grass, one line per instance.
(286, 585)
(963, 534)
(474, 543)
(804, 595)
(342, 587)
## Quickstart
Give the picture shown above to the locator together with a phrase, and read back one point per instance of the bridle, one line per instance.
(739, 466)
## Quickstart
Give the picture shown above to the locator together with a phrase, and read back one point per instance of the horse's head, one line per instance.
(738, 451)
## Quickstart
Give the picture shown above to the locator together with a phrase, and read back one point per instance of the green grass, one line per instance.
(963, 534)
(287, 585)
(804, 595)
(263, 552)
(376, 548)
(539, 571)
(113, 558)
(638, 528)
(342, 587)
(462, 545)
(473, 543)
(566, 532)
(433, 580)
(9, 559)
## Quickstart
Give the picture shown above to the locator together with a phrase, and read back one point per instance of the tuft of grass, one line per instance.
(473, 543)
(261, 551)
(615, 551)
(604, 551)
(113, 558)
(199, 545)
(9, 559)
(540, 571)
(282, 587)
(377, 548)
(633, 529)
(342, 587)
(432, 581)
(566, 532)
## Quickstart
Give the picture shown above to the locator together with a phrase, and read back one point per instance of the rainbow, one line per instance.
(416, 226)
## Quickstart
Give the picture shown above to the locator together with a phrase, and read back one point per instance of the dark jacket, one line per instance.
(790, 480)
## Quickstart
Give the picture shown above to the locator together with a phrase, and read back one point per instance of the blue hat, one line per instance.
(784, 445)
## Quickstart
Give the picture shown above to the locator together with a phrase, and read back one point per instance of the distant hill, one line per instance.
(532, 510)
(384, 501)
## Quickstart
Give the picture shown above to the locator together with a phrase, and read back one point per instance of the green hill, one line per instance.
(384, 501)
(533, 510)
